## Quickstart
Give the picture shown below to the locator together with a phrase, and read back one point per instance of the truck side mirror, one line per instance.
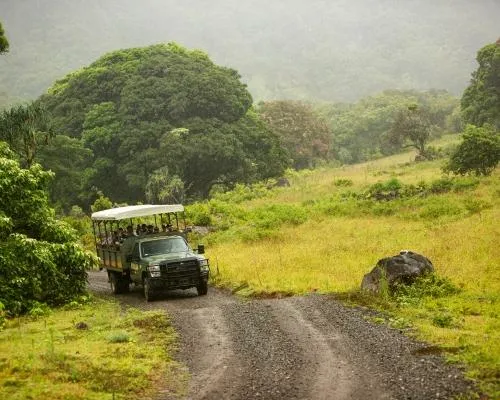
(201, 249)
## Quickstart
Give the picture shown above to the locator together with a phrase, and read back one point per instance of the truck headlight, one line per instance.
(203, 264)
(154, 268)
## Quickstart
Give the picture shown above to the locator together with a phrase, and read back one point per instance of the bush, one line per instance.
(39, 258)
(478, 154)
(439, 207)
(271, 217)
(429, 285)
(199, 214)
(385, 190)
(101, 203)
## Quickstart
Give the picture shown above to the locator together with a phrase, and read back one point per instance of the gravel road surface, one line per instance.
(308, 348)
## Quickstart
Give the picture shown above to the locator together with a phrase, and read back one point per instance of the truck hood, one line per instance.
(184, 255)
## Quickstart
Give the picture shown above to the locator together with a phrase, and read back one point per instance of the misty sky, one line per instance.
(315, 49)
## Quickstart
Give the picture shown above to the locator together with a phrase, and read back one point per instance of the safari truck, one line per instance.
(146, 245)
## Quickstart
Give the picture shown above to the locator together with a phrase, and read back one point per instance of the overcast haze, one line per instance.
(313, 49)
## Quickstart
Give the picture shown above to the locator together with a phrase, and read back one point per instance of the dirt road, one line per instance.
(304, 348)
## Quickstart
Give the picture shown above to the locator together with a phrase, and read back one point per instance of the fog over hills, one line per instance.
(336, 50)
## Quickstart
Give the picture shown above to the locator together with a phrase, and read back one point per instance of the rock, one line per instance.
(401, 269)
(81, 326)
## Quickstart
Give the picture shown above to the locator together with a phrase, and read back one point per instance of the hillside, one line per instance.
(339, 50)
(328, 229)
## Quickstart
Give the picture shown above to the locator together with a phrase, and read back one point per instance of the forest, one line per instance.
(170, 123)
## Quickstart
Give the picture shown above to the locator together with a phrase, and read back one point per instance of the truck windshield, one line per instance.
(163, 246)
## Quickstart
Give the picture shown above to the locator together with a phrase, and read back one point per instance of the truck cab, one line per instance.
(155, 256)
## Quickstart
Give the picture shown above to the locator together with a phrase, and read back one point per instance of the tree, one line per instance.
(481, 99)
(40, 260)
(479, 152)
(4, 43)
(163, 188)
(68, 160)
(411, 128)
(129, 105)
(304, 134)
(25, 127)
(361, 130)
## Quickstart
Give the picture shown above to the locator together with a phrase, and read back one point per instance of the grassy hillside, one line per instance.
(329, 228)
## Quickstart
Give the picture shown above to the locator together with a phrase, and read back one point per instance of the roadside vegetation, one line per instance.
(331, 226)
(89, 349)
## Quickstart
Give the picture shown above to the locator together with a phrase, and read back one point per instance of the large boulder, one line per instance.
(401, 269)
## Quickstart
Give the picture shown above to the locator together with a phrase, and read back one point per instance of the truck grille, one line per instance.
(179, 269)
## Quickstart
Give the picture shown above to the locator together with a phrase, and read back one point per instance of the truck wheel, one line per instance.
(202, 289)
(124, 285)
(114, 283)
(148, 293)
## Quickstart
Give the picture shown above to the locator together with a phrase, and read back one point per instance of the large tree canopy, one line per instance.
(481, 100)
(144, 109)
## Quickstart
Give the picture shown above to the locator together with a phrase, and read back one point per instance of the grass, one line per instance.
(343, 235)
(91, 351)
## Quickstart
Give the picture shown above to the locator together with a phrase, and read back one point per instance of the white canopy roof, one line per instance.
(116, 214)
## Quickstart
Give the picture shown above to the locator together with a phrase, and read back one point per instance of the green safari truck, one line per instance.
(146, 245)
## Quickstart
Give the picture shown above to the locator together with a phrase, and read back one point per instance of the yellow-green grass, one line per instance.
(121, 354)
(330, 254)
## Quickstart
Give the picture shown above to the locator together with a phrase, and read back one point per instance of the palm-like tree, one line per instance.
(24, 127)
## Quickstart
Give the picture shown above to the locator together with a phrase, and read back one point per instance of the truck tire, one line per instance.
(148, 293)
(115, 283)
(118, 283)
(124, 285)
(202, 289)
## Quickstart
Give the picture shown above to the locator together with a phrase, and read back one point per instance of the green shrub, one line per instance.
(271, 217)
(40, 260)
(478, 154)
(443, 320)
(37, 310)
(475, 206)
(384, 190)
(442, 185)
(439, 207)
(101, 203)
(430, 285)
(463, 183)
(199, 214)
(119, 337)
